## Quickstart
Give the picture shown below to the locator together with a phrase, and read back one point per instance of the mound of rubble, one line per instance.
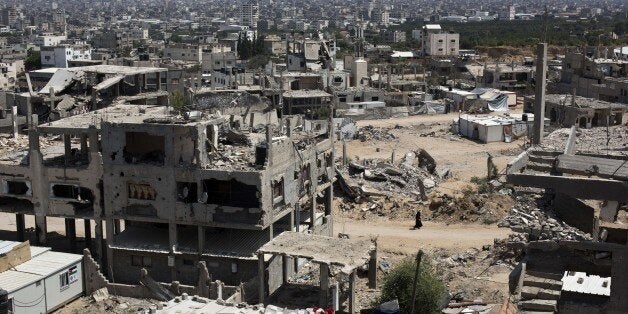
(482, 208)
(593, 139)
(540, 224)
(415, 176)
(370, 132)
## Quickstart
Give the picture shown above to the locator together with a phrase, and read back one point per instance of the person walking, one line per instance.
(417, 220)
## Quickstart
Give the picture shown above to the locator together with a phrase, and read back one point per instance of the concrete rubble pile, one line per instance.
(482, 208)
(370, 132)
(539, 224)
(595, 139)
(224, 101)
(414, 177)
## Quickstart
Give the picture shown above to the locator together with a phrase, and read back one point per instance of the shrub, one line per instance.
(398, 285)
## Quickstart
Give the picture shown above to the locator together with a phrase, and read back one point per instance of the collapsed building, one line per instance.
(171, 191)
(568, 110)
(56, 93)
(588, 190)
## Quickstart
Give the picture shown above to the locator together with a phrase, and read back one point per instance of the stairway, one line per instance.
(541, 160)
(540, 292)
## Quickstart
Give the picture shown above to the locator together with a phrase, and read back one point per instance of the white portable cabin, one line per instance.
(45, 283)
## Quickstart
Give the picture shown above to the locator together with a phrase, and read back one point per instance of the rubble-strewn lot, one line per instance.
(594, 139)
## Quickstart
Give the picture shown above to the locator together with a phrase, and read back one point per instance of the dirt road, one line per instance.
(398, 238)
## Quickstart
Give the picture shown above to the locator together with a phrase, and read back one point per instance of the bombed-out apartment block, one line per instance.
(170, 191)
(589, 191)
(56, 93)
(568, 110)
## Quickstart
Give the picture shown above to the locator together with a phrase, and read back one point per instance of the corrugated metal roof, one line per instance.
(12, 280)
(589, 284)
(6, 246)
(48, 263)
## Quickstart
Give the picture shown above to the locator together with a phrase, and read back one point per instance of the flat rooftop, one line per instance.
(581, 101)
(106, 69)
(121, 113)
(349, 254)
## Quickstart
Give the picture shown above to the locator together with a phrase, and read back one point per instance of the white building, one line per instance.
(59, 56)
(45, 282)
(184, 52)
(436, 42)
(249, 14)
(8, 73)
(49, 40)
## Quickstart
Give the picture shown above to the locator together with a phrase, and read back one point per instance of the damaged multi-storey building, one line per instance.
(169, 191)
(588, 190)
(57, 93)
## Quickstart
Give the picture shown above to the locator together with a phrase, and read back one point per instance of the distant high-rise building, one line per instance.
(249, 14)
(9, 16)
(508, 13)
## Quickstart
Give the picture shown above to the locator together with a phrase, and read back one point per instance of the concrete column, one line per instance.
(297, 216)
(285, 263)
(261, 269)
(14, 119)
(271, 232)
(373, 269)
(214, 135)
(70, 233)
(52, 102)
(158, 81)
(41, 228)
(269, 143)
(29, 112)
(324, 285)
(539, 97)
(116, 226)
(351, 302)
(289, 128)
(174, 245)
(67, 143)
(313, 210)
(329, 199)
(201, 239)
(84, 144)
(98, 232)
(88, 233)
(21, 227)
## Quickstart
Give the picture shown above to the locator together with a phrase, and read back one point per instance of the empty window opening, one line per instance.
(70, 191)
(142, 147)
(187, 192)
(230, 193)
(141, 261)
(16, 187)
(188, 262)
(277, 187)
(142, 192)
(234, 268)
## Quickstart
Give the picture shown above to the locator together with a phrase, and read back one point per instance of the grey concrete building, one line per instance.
(172, 191)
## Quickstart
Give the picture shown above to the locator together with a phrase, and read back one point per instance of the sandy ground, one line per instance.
(398, 237)
(465, 158)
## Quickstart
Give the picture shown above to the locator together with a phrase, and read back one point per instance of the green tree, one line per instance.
(178, 101)
(33, 60)
(398, 285)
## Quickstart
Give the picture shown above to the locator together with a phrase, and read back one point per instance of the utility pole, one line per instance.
(419, 255)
